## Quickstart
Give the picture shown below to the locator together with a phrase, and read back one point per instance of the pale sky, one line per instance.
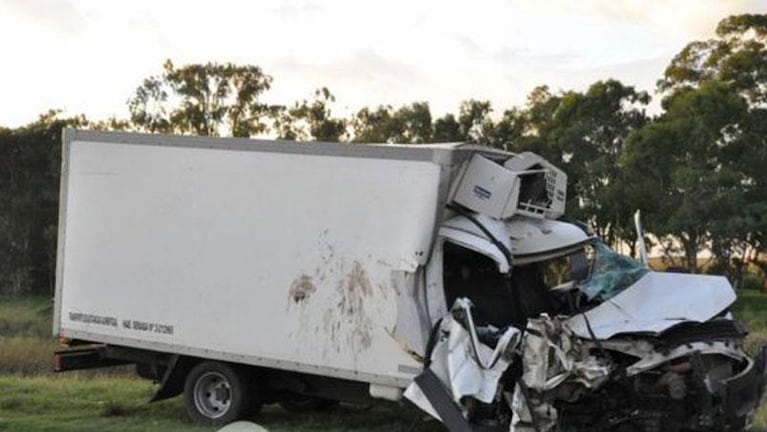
(88, 56)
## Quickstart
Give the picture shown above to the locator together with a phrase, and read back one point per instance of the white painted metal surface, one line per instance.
(657, 302)
(267, 257)
(534, 240)
(529, 240)
(488, 188)
(461, 231)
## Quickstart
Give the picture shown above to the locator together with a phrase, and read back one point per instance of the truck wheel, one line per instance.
(217, 393)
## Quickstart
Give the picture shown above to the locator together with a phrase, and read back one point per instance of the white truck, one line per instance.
(244, 272)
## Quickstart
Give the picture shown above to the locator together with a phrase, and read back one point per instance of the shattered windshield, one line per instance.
(611, 273)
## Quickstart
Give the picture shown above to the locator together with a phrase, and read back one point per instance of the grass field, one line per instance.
(32, 398)
(77, 403)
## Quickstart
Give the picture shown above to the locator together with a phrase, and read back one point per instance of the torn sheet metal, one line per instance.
(656, 302)
(551, 356)
(648, 357)
(464, 365)
(474, 367)
(542, 418)
(655, 359)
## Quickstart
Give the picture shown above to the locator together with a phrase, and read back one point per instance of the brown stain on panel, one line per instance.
(355, 287)
(358, 280)
(350, 326)
(302, 288)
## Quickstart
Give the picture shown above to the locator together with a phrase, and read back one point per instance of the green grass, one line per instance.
(751, 308)
(26, 355)
(26, 342)
(71, 403)
(61, 403)
(28, 316)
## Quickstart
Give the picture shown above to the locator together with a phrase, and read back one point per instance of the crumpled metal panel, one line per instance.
(656, 302)
(551, 356)
(464, 365)
(411, 329)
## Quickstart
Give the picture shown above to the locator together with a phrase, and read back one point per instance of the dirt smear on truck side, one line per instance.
(349, 325)
(345, 322)
(301, 288)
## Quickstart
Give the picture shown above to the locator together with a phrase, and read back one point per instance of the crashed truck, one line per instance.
(243, 272)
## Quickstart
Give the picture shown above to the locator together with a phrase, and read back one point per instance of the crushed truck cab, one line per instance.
(243, 272)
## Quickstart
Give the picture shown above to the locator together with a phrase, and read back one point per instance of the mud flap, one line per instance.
(172, 383)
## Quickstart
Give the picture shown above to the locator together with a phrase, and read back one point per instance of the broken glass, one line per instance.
(611, 273)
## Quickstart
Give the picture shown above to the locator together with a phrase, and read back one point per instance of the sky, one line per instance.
(88, 56)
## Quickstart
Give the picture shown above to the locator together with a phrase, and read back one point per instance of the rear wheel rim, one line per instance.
(212, 395)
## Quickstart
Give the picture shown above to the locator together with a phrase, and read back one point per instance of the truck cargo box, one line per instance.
(270, 253)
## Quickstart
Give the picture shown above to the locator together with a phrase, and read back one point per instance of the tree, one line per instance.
(415, 123)
(584, 134)
(509, 132)
(740, 236)
(408, 124)
(474, 120)
(589, 129)
(473, 124)
(737, 55)
(209, 99)
(30, 162)
(111, 124)
(447, 129)
(311, 120)
(681, 169)
(529, 129)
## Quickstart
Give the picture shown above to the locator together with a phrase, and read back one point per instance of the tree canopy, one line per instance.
(737, 55)
(204, 99)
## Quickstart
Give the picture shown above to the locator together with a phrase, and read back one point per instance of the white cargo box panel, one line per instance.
(242, 251)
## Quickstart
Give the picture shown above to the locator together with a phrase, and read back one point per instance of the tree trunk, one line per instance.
(632, 243)
(690, 245)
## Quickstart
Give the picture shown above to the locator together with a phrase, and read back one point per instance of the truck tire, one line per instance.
(217, 393)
